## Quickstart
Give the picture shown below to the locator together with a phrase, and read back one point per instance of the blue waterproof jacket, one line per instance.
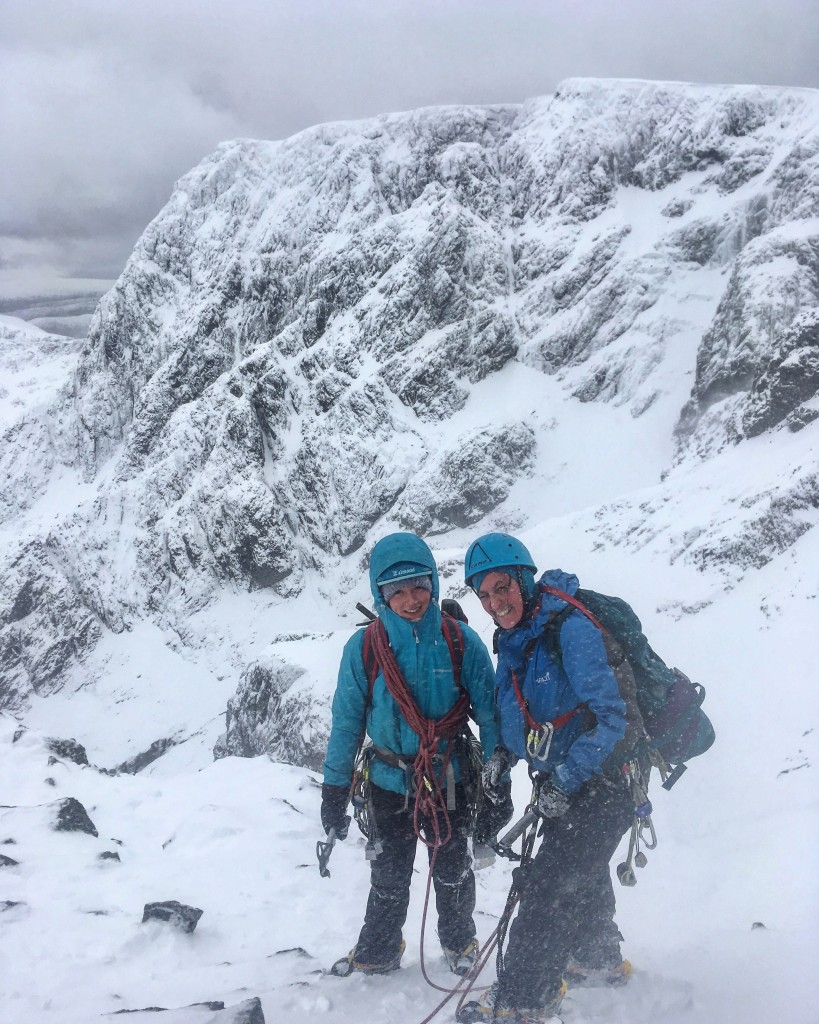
(578, 751)
(425, 663)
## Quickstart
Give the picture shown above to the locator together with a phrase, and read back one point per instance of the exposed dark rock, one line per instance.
(697, 241)
(8, 862)
(6, 905)
(802, 416)
(139, 761)
(761, 344)
(108, 855)
(69, 750)
(73, 817)
(677, 207)
(215, 1004)
(787, 379)
(178, 914)
(249, 1012)
(467, 483)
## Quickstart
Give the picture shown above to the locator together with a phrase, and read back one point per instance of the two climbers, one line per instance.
(406, 676)
(565, 717)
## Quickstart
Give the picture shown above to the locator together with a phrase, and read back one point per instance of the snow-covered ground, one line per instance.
(236, 838)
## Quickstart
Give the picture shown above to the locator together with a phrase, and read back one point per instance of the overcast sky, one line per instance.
(106, 102)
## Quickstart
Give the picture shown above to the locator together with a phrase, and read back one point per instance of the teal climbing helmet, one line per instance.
(493, 552)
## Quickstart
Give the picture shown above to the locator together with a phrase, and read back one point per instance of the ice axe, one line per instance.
(503, 846)
(323, 850)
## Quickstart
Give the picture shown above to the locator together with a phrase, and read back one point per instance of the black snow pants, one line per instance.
(567, 901)
(391, 874)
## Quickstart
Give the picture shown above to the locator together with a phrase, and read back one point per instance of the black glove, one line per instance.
(552, 801)
(334, 801)
(495, 786)
(493, 816)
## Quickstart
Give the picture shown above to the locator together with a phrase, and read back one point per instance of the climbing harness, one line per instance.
(430, 802)
(538, 735)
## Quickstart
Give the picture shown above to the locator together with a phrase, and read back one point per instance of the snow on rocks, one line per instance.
(311, 341)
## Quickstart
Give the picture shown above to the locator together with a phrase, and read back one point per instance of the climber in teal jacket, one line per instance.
(404, 583)
(423, 657)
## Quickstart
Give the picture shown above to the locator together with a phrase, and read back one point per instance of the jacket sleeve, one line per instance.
(348, 715)
(593, 680)
(478, 677)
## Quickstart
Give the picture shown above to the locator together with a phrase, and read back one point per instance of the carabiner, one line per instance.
(539, 742)
(644, 823)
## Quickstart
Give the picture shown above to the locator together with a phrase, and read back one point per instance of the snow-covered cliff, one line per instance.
(442, 320)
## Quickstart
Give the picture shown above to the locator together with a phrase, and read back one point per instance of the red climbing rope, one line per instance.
(430, 801)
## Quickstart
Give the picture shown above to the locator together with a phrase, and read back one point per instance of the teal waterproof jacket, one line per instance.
(426, 665)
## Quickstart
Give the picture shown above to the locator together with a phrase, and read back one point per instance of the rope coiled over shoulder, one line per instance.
(430, 801)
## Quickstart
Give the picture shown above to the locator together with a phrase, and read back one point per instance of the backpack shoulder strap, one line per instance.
(453, 634)
(574, 602)
(551, 631)
(370, 660)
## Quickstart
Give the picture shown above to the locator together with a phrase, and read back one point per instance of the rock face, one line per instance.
(310, 345)
(262, 714)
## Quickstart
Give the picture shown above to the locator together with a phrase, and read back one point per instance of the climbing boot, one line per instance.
(463, 962)
(348, 964)
(578, 976)
(486, 1010)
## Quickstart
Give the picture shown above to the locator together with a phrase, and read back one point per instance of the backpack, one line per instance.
(669, 703)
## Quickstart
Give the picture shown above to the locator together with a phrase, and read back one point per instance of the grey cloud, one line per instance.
(106, 104)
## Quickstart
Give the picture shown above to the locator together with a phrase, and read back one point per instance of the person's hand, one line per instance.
(495, 786)
(552, 801)
(334, 809)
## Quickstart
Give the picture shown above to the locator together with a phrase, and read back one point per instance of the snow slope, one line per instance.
(590, 320)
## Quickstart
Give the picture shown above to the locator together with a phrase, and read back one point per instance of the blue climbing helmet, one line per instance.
(499, 552)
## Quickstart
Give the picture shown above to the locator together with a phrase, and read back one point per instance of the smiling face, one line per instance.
(410, 603)
(500, 595)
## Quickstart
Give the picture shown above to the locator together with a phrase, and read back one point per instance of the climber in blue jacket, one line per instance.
(404, 583)
(563, 714)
